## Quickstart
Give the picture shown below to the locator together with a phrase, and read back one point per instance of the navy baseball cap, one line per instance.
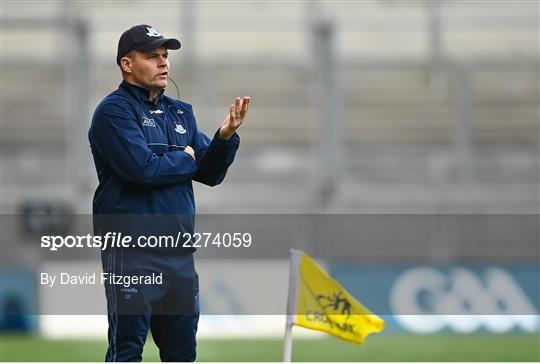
(143, 38)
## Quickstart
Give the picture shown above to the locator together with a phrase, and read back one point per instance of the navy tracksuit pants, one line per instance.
(170, 310)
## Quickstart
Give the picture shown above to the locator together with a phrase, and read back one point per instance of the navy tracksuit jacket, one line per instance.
(145, 187)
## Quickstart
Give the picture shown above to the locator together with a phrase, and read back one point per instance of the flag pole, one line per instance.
(292, 301)
(287, 349)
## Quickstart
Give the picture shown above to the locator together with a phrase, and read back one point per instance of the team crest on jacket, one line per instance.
(179, 128)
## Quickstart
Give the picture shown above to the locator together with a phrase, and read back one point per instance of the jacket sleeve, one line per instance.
(214, 156)
(120, 141)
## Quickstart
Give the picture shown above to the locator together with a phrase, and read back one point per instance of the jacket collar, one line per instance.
(140, 93)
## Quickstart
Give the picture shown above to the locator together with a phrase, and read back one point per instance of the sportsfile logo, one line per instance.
(148, 122)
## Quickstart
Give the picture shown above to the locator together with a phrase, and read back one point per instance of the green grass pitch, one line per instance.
(388, 347)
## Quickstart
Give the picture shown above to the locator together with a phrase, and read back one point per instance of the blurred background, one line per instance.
(367, 107)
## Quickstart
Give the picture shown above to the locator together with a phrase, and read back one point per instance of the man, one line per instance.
(147, 150)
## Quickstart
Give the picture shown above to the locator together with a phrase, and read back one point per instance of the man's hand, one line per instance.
(190, 151)
(237, 113)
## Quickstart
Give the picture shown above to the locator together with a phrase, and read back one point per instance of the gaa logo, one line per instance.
(427, 300)
(148, 122)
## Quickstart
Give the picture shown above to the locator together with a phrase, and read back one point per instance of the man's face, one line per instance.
(149, 69)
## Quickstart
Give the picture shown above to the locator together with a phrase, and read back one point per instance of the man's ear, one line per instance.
(125, 63)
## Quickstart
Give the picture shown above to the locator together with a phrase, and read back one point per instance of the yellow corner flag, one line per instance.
(318, 302)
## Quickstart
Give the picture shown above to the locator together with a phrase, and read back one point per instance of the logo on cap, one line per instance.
(152, 32)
